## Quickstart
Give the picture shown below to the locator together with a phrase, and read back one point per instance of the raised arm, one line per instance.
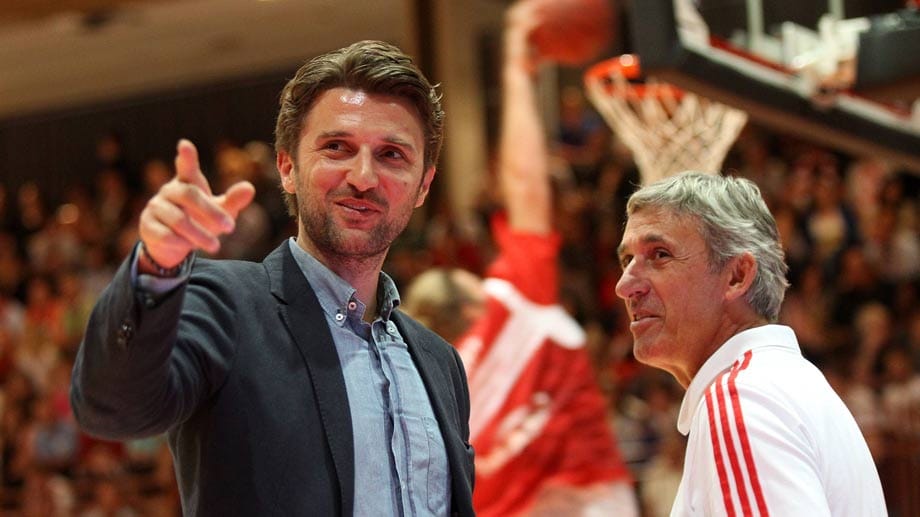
(185, 215)
(523, 154)
(136, 373)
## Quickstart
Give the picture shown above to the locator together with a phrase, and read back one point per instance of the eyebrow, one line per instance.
(651, 238)
(333, 134)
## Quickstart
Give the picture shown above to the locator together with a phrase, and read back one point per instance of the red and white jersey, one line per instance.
(769, 436)
(538, 421)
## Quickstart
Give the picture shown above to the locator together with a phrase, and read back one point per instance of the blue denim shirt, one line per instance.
(400, 458)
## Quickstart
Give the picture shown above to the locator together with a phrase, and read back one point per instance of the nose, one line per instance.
(631, 282)
(362, 175)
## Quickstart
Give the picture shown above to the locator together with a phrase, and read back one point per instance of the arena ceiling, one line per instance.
(59, 53)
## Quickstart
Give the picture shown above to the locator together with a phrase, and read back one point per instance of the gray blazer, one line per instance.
(239, 367)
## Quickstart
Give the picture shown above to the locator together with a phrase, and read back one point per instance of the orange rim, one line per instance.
(627, 66)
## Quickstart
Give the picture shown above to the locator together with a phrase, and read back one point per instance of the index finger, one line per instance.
(188, 168)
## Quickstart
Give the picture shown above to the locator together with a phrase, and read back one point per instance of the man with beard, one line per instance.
(293, 386)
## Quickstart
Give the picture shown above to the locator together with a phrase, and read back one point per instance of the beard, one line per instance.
(345, 244)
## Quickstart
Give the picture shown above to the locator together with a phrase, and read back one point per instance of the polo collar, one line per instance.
(765, 336)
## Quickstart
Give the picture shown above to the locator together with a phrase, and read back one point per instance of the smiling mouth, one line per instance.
(642, 317)
(357, 207)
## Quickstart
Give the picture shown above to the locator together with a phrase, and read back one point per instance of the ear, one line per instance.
(285, 166)
(425, 186)
(741, 270)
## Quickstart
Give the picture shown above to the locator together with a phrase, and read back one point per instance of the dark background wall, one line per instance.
(57, 149)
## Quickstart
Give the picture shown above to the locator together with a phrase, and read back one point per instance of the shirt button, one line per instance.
(391, 328)
(352, 306)
(339, 317)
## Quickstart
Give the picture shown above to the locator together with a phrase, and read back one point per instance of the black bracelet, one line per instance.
(161, 271)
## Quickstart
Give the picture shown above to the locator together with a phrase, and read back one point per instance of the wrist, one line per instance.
(147, 265)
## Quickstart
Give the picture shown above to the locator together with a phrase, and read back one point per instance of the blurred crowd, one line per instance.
(851, 229)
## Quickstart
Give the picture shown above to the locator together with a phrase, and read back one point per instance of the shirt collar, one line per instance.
(758, 337)
(337, 296)
(387, 296)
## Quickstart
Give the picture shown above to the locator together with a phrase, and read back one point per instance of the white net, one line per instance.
(667, 129)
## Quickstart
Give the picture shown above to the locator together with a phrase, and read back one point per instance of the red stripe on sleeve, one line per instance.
(740, 485)
(743, 436)
(717, 451)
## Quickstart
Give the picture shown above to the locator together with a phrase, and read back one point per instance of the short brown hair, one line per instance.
(369, 66)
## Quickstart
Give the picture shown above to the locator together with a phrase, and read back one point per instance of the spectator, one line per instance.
(583, 139)
(38, 350)
(109, 500)
(12, 265)
(30, 214)
(249, 239)
(154, 175)
(806, 309)
(856, 284)
(113, 202)
(830, 224)
(51, 441)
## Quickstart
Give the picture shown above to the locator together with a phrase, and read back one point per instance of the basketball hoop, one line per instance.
(669, 130)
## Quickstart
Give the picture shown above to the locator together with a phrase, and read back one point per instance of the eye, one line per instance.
(392, 153)
(660, 253)
(625, 260)
(334, 148)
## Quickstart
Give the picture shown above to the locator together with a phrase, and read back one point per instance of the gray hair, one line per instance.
(732, 218)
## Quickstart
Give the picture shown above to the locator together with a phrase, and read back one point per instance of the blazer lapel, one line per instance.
(442, 393)
(304, 318)
(437, 385)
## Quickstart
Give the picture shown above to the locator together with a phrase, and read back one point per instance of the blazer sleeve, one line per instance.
(146, 365)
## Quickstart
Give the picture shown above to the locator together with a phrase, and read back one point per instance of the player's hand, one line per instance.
(185, 215)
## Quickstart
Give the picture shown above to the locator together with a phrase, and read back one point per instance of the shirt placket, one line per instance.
(381, 340)
(351, 317)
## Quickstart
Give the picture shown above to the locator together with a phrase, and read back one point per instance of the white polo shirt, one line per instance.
(769, 436)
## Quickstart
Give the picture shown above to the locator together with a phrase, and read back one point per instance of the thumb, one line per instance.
(237, 197)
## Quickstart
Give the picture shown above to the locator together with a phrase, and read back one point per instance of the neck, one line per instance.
(725, 332)
(362, 273)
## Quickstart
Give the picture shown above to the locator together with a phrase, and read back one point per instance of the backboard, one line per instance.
(826, 72)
